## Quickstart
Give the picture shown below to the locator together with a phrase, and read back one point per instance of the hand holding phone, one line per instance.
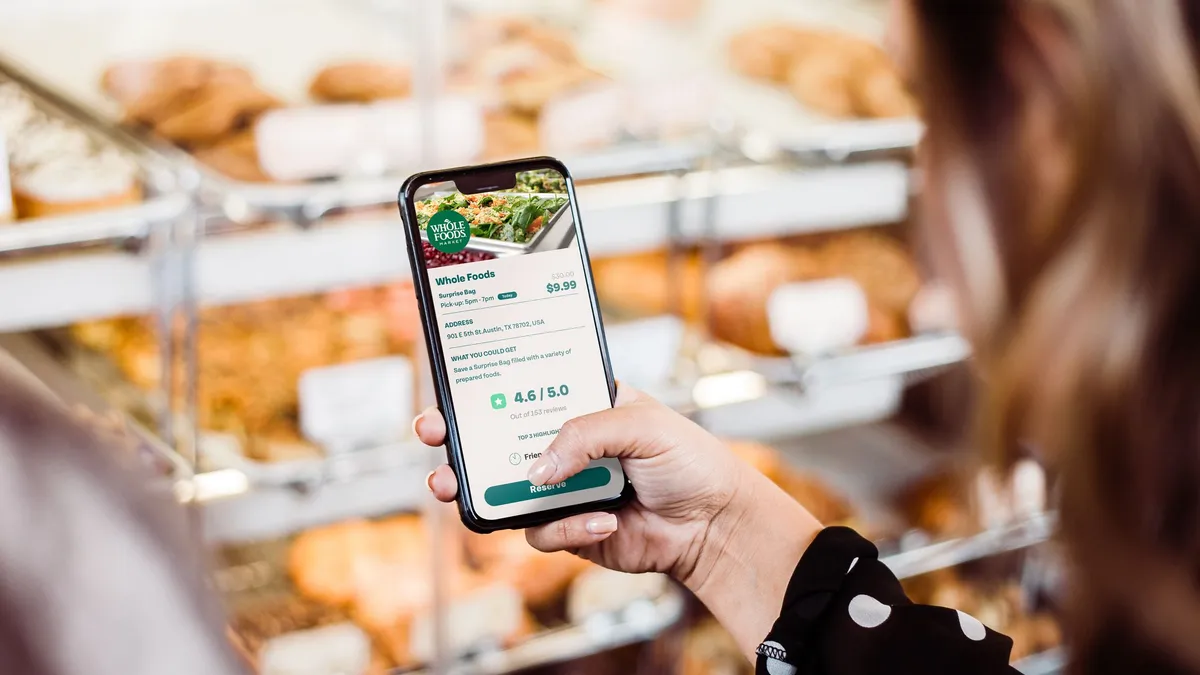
(515, 339)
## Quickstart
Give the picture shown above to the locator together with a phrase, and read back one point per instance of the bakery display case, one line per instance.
(743, 171)
(74, 180)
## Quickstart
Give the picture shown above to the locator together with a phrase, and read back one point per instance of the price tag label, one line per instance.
(350, 406)
(339, 648)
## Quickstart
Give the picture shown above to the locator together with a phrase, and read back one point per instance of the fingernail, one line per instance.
(543, 470)
(416, 421)
(602, 524)
(429, 481)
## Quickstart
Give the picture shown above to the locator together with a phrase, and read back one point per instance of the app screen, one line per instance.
(520, 342)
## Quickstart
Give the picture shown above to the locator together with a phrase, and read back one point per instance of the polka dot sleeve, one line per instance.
(845, 613)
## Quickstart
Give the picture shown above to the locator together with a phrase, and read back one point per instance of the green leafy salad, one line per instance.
(503, 216)
(541, 180)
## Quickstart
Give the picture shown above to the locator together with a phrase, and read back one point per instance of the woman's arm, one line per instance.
(747, 557)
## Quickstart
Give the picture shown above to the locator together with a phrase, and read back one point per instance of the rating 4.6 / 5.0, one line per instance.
(541, 394)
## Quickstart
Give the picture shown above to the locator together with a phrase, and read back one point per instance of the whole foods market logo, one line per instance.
(448, 231)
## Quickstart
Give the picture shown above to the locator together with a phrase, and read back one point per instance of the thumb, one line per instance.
(623, 431)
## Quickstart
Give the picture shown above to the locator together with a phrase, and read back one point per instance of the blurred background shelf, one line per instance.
(623, 217)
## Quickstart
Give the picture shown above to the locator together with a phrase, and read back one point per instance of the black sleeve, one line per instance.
(845, 613)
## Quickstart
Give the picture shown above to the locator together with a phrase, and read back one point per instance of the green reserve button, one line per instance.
(507, 296)
(511, 493)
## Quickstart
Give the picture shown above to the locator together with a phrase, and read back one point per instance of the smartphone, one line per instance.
(515, 339)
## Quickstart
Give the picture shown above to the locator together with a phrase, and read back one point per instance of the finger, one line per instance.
(627, 395)
(430, 427)
(629, 430)
(442, 483)
(572, 533)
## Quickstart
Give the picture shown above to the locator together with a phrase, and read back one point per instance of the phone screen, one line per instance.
(520, 341)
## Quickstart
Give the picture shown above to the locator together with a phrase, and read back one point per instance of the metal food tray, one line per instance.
(913, 359)
(163, 200)
(310, 475)
(641, 621)
(504, 248)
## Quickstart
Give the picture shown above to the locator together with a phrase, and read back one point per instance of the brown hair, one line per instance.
(1063, 162)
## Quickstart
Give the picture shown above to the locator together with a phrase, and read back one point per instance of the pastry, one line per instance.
(17, 110)
(175, 85)
(57, 168)
(880, 92)
(642, 284)
(669, 10)
(821, 81)
(709, 649)
(278, 616)
(508, 135)
(45, 139)
(236, 157)
(321, 562)
(879, 264)
(884, 326)
(129, 81)
(739, 288)
(766, 53)
(938, 505)
(763, 458)
(833, 73)
(527, 92)
(815, 496)
(76, 184)
(540, 578)
(214, 111)
(361, 82)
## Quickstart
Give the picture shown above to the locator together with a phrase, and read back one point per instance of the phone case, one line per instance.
(440, 379)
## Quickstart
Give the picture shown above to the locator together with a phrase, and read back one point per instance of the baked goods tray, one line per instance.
(168, 469)
(641, 621)
(271, 613)
(765, 122)
(913, 359)
(161, 200)
(503, 248)
(284, 44)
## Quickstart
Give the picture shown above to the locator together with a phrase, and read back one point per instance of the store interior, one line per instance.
(203, 215)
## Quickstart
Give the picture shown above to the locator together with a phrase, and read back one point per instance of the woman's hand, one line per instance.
(701, 514)
(684, 477)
